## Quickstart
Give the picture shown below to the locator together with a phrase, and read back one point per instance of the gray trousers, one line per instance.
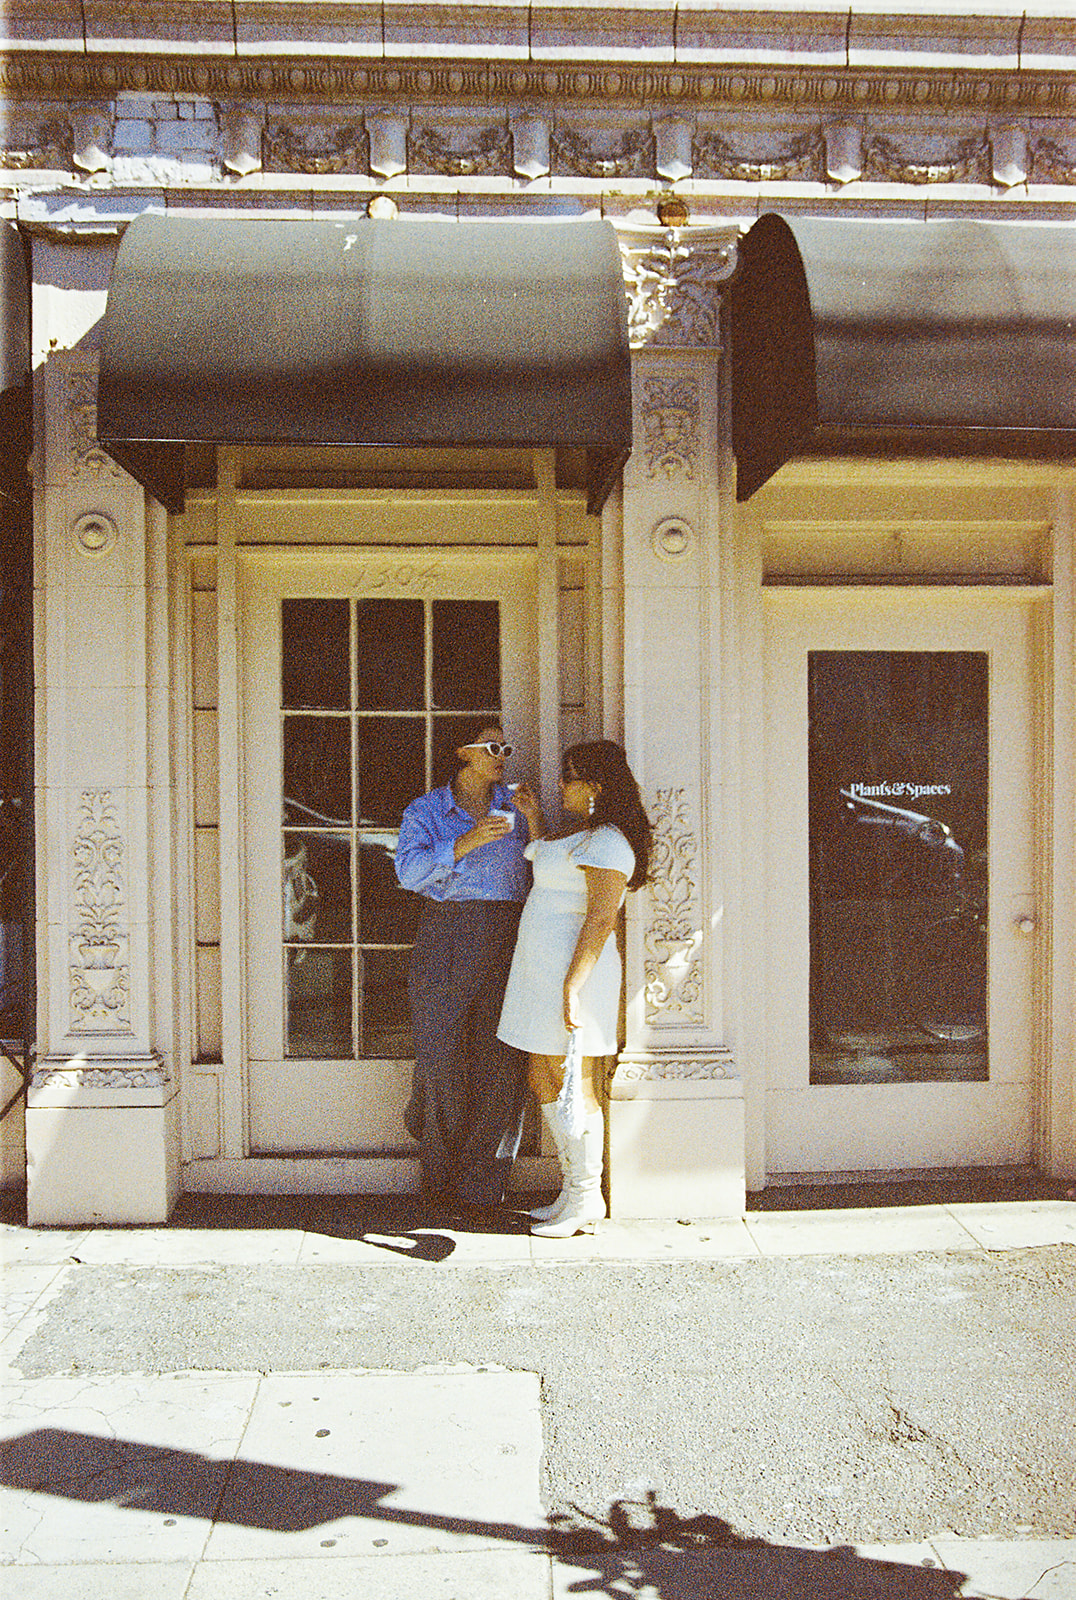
(466, 1106)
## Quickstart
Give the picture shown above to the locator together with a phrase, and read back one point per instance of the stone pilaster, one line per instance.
(100, 1123)
(676, 1107)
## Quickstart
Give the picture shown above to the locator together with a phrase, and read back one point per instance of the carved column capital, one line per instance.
(674, 282)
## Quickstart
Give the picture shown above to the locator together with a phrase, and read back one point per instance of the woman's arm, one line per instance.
(525, 800)
(605, 891)
(424, 860)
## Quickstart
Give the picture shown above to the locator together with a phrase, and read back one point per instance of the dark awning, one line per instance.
(953, 328)
(481, 334)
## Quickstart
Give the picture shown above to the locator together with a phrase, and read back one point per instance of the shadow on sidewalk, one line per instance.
(642, 1547)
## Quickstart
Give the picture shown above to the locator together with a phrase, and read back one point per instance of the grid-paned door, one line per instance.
(360, 673)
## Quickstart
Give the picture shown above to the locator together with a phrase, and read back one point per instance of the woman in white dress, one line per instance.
(565, 976)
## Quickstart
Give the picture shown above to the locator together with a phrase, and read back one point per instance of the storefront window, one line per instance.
(375, 694)
(898, 772)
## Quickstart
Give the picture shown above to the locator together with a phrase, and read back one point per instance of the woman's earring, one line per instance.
(590, 806)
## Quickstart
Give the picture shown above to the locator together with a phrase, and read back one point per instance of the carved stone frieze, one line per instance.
(486, 152)
(673, 982)
(110, 1077)
(339, 80)
(671, 427)
(969, 162)
(315, 148)
(802, 158)
(1052, 164)
(580, 154)
(49, 149)
(99, 944)
(674, 289)
(674, 1069)
(87, 458)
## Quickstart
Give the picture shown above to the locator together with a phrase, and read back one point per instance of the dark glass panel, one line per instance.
(466, 655)
(898, 771)
(386, 1021)
(387, 913)
(317, 888)
(392, 768)
(315, 654)
(317, 1020)
(317, 770)
(390, 655)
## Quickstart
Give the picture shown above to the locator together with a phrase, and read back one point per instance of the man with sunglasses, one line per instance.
(461, 848)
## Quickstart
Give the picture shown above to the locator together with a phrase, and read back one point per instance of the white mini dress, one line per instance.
(532, 1014)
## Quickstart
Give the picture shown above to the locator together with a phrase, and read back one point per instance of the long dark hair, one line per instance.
(619, 804)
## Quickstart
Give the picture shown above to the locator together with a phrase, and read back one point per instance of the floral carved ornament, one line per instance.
(673, 971)
(99, 970)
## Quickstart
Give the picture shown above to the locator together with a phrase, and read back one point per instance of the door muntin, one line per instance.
(375, 694)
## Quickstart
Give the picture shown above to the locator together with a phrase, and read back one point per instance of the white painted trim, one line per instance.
(234, 1137)
(545, 477)
(1056, 1133)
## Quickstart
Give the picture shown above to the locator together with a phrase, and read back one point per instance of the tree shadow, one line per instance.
(641, 1548)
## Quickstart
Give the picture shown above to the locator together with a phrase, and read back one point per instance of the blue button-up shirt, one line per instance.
(425, 854)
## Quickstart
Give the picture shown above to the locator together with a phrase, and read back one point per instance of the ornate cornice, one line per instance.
(328, 80)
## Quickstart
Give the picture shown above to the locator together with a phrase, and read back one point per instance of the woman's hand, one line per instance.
(571, 1008)
(485, 832)
(525, 800)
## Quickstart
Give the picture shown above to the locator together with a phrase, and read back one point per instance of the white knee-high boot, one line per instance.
(585, 1205)
(550, 1212)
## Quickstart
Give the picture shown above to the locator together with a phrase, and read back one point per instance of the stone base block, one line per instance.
(676, 1150)
(12, 1129)
(100, 1154)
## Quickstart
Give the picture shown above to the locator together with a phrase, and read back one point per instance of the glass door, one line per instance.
(901, 862)
(354, 703)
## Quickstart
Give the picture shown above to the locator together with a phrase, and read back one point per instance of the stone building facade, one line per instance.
(826, 601)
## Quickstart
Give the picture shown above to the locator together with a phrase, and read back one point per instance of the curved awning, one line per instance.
(389, 333)
(948, 328)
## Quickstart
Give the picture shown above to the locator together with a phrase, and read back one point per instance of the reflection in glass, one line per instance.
(317, 770)
(315, 654)
(466, 654)
(317, 1012)
(390, 639)
(387, 913)
(317, 887)
(898, 770)
(392, 767)
(386, 1020)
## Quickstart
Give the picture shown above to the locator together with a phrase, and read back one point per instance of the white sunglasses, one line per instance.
(496, 750)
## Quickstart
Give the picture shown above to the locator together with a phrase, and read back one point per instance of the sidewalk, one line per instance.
(239, 1484)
